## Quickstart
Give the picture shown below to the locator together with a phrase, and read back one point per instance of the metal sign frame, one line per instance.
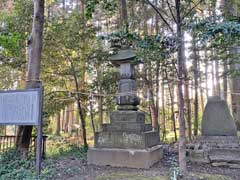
(38, 124)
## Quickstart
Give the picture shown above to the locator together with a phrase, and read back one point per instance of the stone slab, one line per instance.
(198, 156)
(225, 155)
(132, 158)
(127, 116)
(134, 140)
(127, 127)
(222, 139)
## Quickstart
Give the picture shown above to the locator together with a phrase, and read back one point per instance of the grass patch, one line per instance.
(128, 176)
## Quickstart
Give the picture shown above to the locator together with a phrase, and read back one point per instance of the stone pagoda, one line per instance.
(127, 141)
(218, 145)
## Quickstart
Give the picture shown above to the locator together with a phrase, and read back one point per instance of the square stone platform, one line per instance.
(132, 158)
(215, 150)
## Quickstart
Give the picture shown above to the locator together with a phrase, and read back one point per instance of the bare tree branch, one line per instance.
(169, 7)
(159, 13)
(195, 5)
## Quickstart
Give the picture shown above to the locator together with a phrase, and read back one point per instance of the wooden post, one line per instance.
(39, 135)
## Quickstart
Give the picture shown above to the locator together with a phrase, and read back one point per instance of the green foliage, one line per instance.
(107, 5)
(15, 167)
(59, 147)
(174, 172)
(220, 33)
(16, 27)
(68, 45)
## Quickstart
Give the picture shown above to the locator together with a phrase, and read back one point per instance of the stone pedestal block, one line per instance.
(124, 140)
(132, 158)
(127, 116)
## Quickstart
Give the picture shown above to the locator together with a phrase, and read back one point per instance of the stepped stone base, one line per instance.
(132, 158)
(127, 130)
(215, 150)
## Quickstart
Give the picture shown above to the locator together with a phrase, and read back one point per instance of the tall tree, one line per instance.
(180, 67)
(232, 10)
(196, 85)
(33, 68)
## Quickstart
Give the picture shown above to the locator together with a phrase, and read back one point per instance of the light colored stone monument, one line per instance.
(219, 144)
(127, 141)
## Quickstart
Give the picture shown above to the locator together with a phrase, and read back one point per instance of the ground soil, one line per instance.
(71, 168)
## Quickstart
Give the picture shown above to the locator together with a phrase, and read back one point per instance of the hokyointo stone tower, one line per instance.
(127, 141)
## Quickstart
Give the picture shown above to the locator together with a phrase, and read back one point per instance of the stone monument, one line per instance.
(219, 144)
(217, 120)
(127, 141)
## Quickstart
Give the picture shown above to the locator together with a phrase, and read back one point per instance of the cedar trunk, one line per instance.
(196, 84)
(33, 69)
(180, 67)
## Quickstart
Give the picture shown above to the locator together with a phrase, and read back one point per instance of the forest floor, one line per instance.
(65, 161)
(72, 168)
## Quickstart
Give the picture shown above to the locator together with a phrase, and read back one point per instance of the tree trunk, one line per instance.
(91, 115)
(236, 87)
(71, 118)
(145, 19)
(163, 127)
(206, 72)
(232, 10)
(82, 9)
(63, 119)
(201, 91)
(58, 123)
(196, 84)
(213, 81)
(33, 68)
(218, 88)
(156, 19)
(180, 68)
(186, 94)
(100, 99)
(225, 79)
(66, 124)
(80, 109)
(123, 13)
(153, 110)
(171, 95)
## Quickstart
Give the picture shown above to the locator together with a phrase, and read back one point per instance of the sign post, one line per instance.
(24, 107)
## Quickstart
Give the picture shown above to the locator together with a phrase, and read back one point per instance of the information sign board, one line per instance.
(24, 107)
(20, 107)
